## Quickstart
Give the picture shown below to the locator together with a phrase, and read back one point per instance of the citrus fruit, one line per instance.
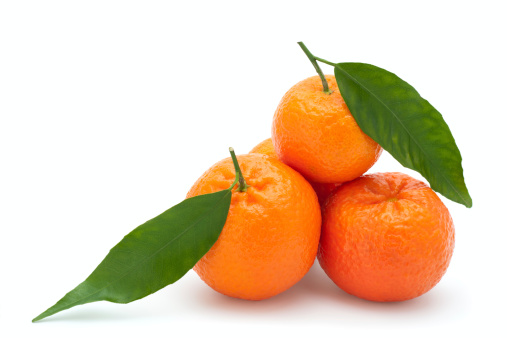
(271, 235)
(265, 148)
(315, 134)
(385, 237)
(323, 190)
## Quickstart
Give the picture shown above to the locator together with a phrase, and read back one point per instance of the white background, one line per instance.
(110, 110)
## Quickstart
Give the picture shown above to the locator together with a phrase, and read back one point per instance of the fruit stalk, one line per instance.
(239, 175)
(313, 60)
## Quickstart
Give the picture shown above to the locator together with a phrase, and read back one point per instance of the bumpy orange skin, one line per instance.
(315, 134)
(386, 237)
(266, 148)
(323, 190)
(271, 235)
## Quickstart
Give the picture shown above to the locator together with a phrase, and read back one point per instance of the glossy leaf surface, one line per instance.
(393, 114)
(154, 255)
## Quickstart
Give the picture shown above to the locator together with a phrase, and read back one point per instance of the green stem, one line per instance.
(239, 175)
(325, 61)
(313, 60)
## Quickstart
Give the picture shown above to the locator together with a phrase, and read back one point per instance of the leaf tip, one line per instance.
(39, 317)
(49, 312)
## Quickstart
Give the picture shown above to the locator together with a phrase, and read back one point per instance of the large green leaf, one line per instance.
(393, 113)
(155, 254)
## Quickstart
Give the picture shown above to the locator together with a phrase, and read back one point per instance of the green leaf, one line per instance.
(393, 114)
(154, 255)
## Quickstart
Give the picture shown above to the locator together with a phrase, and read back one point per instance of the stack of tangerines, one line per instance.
(381, 237)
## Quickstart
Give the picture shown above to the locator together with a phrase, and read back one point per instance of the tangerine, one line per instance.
(266, 148)
(385, 237)
(271, 235)
(314, 133)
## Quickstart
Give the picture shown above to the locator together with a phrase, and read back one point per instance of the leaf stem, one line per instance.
(325, 61)
(313, 60)
(239, 175)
